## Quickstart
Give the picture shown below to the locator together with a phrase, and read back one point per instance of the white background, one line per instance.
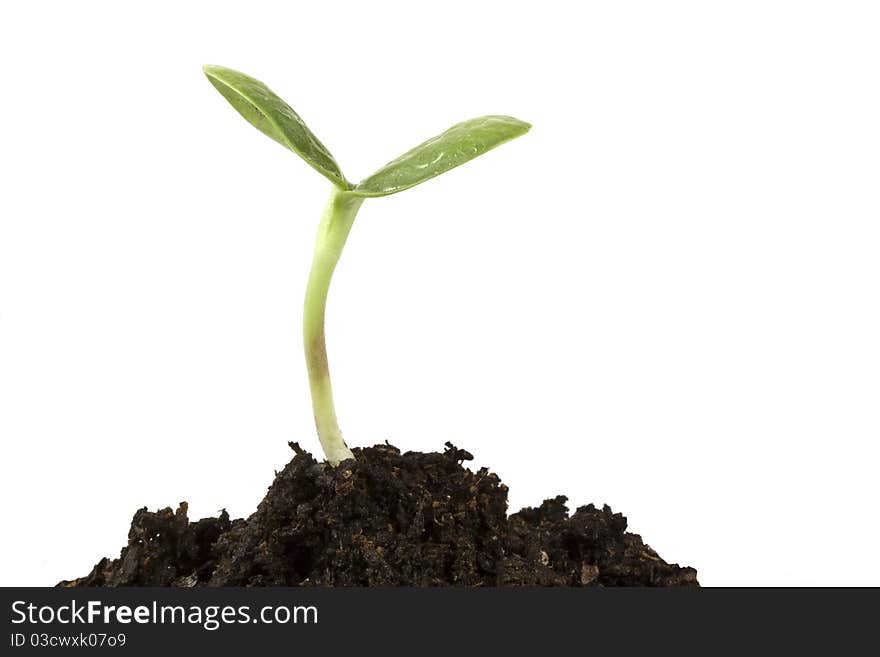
(664, 297)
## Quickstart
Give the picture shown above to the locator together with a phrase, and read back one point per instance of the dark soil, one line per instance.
(387, 519)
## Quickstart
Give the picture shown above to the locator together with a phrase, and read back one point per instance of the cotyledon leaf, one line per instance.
(274, 118)
(462, 142)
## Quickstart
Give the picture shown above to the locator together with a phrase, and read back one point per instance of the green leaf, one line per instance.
(462, 142)
(275, 118)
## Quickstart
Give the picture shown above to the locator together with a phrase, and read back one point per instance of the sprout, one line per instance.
(276, 119)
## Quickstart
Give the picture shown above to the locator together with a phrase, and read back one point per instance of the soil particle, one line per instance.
(387, 519)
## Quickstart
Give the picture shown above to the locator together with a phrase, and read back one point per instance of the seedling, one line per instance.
(275, 118)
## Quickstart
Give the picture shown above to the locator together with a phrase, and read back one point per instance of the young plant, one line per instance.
(275, 118)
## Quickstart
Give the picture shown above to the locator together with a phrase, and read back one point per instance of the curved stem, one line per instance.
(332, 232)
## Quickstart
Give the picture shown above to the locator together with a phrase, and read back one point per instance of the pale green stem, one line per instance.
(334, 228)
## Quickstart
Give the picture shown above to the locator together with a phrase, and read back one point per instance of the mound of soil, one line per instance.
(387, 519)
